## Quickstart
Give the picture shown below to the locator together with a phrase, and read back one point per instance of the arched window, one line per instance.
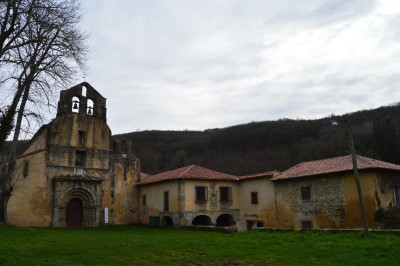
(75, 104)
(83, 91)
(89, 109)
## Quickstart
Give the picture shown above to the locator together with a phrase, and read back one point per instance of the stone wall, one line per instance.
(325, 209)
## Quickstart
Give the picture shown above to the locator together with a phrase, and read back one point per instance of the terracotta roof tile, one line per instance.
(333, 165)
(188, 172)
(269, 173)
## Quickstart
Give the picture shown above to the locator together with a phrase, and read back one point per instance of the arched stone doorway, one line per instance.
(74, 213)
(76, 199)
(202, 220)
(225, 220)
(166, 221)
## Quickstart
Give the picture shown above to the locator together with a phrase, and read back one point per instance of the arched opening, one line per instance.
(202, 220)
(74, 213)
(90, 105)
(75, 104)
(166, 220)
(83, 91)
(225, 220)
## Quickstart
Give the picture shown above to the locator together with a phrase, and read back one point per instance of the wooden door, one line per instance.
(74, 213)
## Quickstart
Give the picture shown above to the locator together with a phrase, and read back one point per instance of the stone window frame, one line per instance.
(81, 138)
(82, 161)
(225, 195)
(306, 224)
(254, 197)
(166, 201)
(144, 203)
(204, 199)
(305, 193)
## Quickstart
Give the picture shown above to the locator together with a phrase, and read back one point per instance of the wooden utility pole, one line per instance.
(355, 170)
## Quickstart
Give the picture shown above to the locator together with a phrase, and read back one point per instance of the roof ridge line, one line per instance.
(186, 171)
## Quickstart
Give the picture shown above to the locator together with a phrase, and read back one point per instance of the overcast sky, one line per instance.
(209, 64)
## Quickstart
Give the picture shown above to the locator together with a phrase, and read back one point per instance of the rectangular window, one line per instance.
(306, 193)
(166, 201)
(254, 197)
(306, 225)
(26, 169)
(80, 158)
(201, 195)
(225, 194)
(82, 138)
(143, 203)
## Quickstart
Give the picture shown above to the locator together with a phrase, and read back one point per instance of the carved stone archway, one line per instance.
(85, 189)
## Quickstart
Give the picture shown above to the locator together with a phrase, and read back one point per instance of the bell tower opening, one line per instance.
(75, 104)
(84, 100)
(90, 105)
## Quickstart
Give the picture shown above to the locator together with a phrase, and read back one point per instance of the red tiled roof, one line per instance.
(269, 173)
(188, 172)
(333, 165)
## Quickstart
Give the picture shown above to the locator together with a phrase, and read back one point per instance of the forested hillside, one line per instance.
(270, 145)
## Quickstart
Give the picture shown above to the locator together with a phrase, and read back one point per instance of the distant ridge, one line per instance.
(270, 145)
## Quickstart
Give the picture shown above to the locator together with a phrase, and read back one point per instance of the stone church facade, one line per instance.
(71, 174)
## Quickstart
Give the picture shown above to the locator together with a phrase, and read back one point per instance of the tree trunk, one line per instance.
(4, 197)
(7, 174)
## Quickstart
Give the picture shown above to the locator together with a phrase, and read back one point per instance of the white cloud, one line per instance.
(205, 64)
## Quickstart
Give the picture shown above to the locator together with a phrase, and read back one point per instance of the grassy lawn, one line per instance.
(138, 245)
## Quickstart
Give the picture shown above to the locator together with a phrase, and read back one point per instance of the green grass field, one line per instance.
(140, 245)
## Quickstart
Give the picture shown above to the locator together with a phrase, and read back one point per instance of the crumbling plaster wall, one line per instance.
(30, 203)
(265, 209)
(63, 141)
(353, 218)
(326, 209)
(120, 197)
(155, 199)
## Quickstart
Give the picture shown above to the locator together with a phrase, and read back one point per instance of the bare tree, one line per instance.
(53, 49)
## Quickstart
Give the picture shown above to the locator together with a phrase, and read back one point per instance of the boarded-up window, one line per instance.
(225, 194)
(80, 158)
(26, 169)
(166, 201)
(201, 194)
(306, 224)
(306, 193)
(143, 203)
(254, 197)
